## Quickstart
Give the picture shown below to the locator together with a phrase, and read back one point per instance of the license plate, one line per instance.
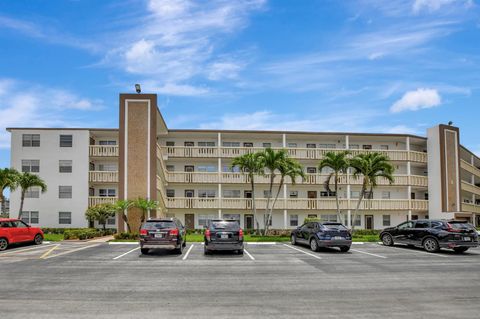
(467, 239)
(224, 236)
(338, 238)
(159, 235)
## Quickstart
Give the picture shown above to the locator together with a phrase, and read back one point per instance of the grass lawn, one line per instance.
(53, 237)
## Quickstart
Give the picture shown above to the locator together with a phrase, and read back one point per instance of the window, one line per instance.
(327, 194)
(329, 218)
(426, 198)
(206, 168)
(292, 145)
(19, 224)
(422, 224)
(107, 142)
(32, 192)
(267, 145)
(170, 193)
(107, 167)
(368, 195)
(353, 146)
(384, 147)
(266, 193)
(65, 166)
(64, 218)
(64, 191)
(293, 194)
(385, 195)
(171, 168)
(405, 225)
(327, 146)
(311, 170)
(232, 217)
(206, 144)
(386, 220)
(227, 168)
(358, 220)
(354, 194)
(30, 217)
(294, 220)
(203, 219)
(31, 166)
(247, 144)
(311, 145)
(367, 147)
(107, 192)
(231, 193)
(206, 193)
(312, 216)
(231, 144)
(31, 140)
(111, 221)
(66, 140)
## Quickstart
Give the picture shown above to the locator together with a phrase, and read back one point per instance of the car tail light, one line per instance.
(207, 234)
(174, 232)
(240, 234)
(143, 232)
(452, 230)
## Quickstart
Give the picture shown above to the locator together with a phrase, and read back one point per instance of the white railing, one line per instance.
(469, 168)
(103, 150)
(472, 208)
(103, 176)
(95, 200)
(470, 188)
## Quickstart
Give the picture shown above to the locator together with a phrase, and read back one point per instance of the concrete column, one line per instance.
(410, 214)
(349, 212)
(347, 142)
(219, 172)
(284, 140)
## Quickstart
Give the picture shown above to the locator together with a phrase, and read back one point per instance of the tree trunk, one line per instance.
(2, 199)
(125, 219)
(104, 226)
(22, 199)
(269, 216)
(272, 177)
(364, 188)
(336, 198)
(254, 205)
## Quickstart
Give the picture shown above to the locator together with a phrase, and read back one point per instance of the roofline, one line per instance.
(471, 153)
(9, 129)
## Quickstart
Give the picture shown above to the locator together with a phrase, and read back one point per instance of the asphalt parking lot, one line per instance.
(273, 280)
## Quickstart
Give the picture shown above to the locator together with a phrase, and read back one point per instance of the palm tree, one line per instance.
(291, 168)
(145, 205)
(371, 166)
(122, 207)
(271, 160)
(25, 181)
(8, 179)
(338, 162)
(250, 164)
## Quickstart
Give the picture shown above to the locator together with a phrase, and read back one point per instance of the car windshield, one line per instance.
(335, 226)
(227, 225)
(159, 225)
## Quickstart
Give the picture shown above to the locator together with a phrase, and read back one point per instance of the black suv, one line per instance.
(167, 233)
(221, 234)
(317, 234)
(432, 235)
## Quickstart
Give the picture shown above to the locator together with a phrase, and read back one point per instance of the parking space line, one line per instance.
(128, 252)
(71, 251)
(26, 249)
(248, 254)
(188, 252)
(406, 249)
(302, 251)
(364, 252)
(49, 251)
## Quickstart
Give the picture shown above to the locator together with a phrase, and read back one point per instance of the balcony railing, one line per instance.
(311, 179)
(103, 150)
(471, 208)
(103, 177)
(95, 200)
(470, 188)
(295, 203)
(298, 153)
(470, 168)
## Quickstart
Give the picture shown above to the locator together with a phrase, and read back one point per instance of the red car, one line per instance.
(15, 231)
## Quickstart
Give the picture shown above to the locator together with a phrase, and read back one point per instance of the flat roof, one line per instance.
(61, 129)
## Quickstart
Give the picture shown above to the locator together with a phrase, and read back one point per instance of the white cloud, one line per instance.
(435, 5)
(421, 98)
(29, 105)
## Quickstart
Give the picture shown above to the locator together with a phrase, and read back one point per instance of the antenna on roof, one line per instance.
(138, 88)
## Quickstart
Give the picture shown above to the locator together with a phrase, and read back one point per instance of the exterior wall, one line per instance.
(49, 153)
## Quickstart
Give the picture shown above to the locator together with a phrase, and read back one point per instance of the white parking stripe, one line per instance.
(364, 252)
(248, 254)
(39, 247)
(128, 252)
(302, 251)
(188, 252)
(413, 250)
(71, 251)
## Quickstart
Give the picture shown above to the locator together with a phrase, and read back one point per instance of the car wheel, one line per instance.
(313, 244)
(179, 250)
(387, 240)
(460, 250)
(344, 249)
(293, 240)
(184, 244)
(144, 251)
(3, 244)
(431, 245)
(206, 251)
(38, 240)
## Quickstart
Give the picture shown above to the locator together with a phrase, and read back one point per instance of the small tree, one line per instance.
(122, 207)
(145, 205)
(101, 213)
(8, 179)
(25, 181)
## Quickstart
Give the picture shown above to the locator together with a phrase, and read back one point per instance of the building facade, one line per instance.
(189, 173)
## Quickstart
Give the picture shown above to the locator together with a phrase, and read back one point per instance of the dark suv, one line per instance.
(221, 234)
(317, 234)
(432, 235)
(167, 233)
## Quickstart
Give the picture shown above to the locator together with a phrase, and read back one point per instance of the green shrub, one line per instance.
(366, 232)
(126, 236)
(86, 233)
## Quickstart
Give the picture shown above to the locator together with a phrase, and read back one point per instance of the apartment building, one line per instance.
(189, 173)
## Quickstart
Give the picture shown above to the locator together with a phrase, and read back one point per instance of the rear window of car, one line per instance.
(159, 225)
(335, 226)
(225, 225)
(460, 225)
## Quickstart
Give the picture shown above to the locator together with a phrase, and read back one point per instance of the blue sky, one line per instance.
(370, 66)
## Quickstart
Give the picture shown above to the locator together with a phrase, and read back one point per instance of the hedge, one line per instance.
(86, 233)
(126, 236)
(49, 230)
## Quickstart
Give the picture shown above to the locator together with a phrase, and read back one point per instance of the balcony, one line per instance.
(470, 168)
(103, 177)
(471, 208)
(470, 188)
(297, 153)
(103, 150)
(295, 204)
(95, 200)
(311, 179)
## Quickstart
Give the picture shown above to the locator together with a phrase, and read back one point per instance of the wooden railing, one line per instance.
(103, 150)
(95, 200)
(295, 203)
(103, 176)
(470, 168)
(472, 208)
